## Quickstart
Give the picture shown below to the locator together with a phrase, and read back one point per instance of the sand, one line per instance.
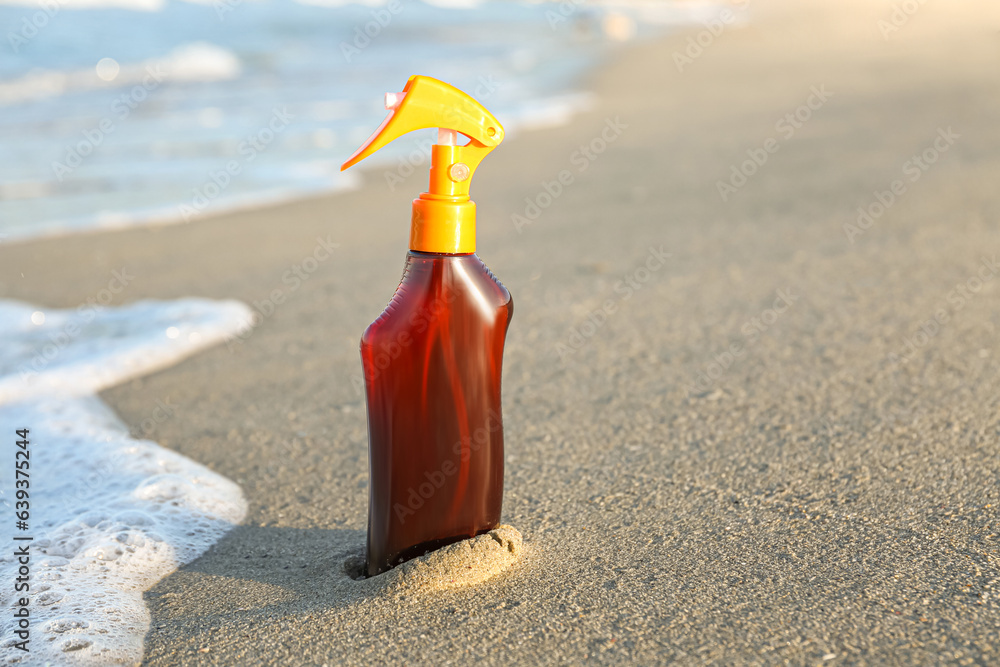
(777, 444)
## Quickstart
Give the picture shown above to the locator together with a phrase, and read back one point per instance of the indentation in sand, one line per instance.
(464, 563)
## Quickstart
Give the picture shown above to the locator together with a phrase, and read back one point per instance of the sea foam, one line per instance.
(197, 62)
(111, 513)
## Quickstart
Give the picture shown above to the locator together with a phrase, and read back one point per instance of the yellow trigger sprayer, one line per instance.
(432, 360)
(444, 219)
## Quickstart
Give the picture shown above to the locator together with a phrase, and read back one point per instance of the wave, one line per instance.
(111, 513)
(195, 62)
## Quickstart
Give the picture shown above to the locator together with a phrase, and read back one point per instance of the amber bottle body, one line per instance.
(432, 364)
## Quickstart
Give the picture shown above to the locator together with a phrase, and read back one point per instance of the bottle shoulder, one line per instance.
(432, 285)
(504, 293)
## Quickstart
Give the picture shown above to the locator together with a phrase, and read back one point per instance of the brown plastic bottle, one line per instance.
(433, 359)
(432, 365)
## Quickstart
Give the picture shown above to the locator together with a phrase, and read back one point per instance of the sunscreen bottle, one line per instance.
(432, 360)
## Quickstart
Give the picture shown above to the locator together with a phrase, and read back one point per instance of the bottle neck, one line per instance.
(443, 224)
(444, 220)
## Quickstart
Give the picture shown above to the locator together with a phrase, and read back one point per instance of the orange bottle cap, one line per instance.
(444, 219)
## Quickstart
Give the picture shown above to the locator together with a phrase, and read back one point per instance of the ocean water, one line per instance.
(110, 513)
(124, 112)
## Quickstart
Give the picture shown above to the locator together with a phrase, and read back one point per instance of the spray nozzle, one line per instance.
(443, 217)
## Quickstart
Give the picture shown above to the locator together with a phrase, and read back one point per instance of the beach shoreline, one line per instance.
(701, 471)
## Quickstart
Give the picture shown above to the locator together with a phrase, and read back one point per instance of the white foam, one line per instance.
(323, 181)
(194, 62)
(198, 61)
(549, 112)
(111, 514)
(657, 12)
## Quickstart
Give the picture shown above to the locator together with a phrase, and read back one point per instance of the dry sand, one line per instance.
(816, 501)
